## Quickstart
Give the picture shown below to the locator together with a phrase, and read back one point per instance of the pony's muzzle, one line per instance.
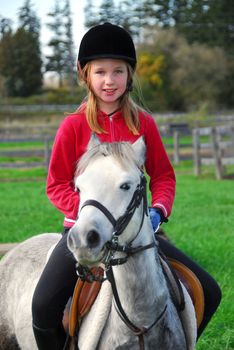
(78, 239)
(86, 246)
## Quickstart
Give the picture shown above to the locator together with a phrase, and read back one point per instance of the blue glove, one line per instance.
(155, 218)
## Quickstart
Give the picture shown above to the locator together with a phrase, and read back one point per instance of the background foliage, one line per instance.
(187, 47)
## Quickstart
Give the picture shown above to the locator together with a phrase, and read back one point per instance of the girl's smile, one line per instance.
(108, 81)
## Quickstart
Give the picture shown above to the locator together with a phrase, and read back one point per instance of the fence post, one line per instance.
(217, 154)
(47, 151)
(196, 150)
(176, 155)
(232, 135)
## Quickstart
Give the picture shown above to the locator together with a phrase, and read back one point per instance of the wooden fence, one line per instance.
(208, 146)
(43, 152)
(45, 136)
(218, 151)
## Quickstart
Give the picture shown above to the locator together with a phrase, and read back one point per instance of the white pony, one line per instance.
(113, 231)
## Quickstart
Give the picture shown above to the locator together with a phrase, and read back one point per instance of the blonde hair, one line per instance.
(128, 107)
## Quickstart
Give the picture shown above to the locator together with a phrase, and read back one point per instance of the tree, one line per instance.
(69, 68)
(61, 59)
(91, 17)
(199, 73)
(20, 56)
(6, 60)
(20, 64)
(149, 69)
(29, 20)
(130, 15)
(192, 74)
(5, 26)
(107, 12)
(55, 61)
(209, 22)
(133, 22)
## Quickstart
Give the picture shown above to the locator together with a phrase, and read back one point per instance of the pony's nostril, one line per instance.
(93, 239)
(71, 241)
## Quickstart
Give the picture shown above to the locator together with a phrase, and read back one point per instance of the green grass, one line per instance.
(24, 174)
(18, 158)
(26, 211)
(21, 145)
(183, 140)
(201, 225)
(21, 159)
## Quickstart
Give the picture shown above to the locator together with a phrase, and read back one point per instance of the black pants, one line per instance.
(59, 277)
(54, 287)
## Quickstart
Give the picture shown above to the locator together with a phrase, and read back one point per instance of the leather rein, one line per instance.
(113, 246)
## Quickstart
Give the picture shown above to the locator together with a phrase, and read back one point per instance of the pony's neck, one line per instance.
(140, 282)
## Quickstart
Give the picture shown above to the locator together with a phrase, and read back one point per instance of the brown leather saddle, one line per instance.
(183, 274)
(85, 293)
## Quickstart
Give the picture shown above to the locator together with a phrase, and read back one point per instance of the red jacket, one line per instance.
(70, 143)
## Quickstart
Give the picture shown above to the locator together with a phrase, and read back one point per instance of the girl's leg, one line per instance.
(52, 292)
(212, 292)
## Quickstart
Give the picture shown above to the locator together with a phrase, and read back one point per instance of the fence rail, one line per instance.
(206, 146)
(43, 153)
(217, 151)
(45, 135)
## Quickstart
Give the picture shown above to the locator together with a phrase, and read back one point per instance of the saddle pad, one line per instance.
(188, 319)
(94, 322)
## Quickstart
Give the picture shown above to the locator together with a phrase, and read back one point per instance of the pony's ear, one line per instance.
(139, 148)
(94, 141)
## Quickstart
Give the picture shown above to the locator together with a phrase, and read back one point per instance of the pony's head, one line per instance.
(107, 174)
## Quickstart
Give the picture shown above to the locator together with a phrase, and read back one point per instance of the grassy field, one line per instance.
(201, 225)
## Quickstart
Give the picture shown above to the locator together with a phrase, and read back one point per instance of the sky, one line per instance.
(9, 9)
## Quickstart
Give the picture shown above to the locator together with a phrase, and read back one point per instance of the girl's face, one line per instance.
(108, 79)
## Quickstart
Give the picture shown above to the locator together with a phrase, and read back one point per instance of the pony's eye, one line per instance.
(77, 189)
(126, 186)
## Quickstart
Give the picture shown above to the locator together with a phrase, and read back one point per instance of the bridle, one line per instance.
(120, 225)
(113, 246)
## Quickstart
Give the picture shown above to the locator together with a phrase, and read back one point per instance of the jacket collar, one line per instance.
(115, 115)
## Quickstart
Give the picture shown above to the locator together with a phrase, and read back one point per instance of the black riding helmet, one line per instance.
(107, 41)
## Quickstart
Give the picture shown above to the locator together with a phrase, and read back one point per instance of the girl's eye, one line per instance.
(119, 71)
(126, 186)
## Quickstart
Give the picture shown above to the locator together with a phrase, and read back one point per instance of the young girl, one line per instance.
(106, 64)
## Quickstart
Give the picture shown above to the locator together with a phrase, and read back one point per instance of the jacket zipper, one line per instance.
(112, 128)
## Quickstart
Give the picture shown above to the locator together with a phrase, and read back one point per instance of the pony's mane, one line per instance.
(121, 151)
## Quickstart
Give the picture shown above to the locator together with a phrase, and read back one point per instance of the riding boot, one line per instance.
(49, 339)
